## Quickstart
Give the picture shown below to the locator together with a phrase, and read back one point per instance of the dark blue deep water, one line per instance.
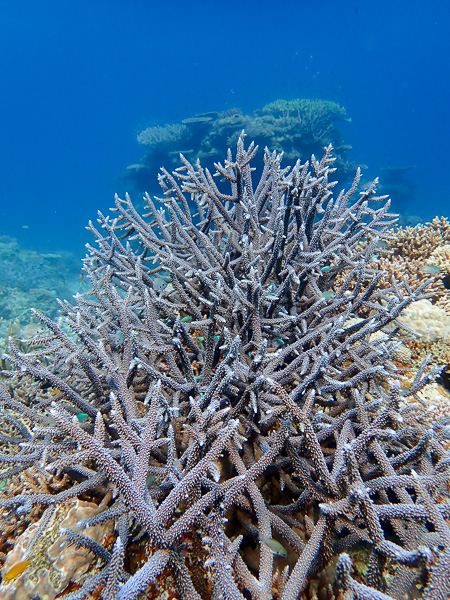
(80, 78)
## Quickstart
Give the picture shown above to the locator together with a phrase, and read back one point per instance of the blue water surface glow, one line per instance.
(80, 78)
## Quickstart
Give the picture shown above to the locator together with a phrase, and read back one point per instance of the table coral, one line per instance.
(295, 127)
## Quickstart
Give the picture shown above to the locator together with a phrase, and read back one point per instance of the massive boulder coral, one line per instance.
(430, 322)
(211, 381)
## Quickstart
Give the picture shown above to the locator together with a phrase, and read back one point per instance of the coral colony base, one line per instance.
(224, 404)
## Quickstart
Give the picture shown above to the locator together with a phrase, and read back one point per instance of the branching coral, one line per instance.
(416, 250)
(413, 253)
(421, 241)
(419, 255)
(210, 380)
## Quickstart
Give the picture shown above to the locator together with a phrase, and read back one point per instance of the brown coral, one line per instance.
(416, 248)
(441, 258)
(405, 256)
(54, 562)
(412, 270)
(421, 241)
(407, 253)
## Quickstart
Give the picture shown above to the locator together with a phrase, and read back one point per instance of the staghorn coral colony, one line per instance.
(227, 396)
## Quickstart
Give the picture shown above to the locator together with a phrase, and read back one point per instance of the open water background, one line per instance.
(80, 78)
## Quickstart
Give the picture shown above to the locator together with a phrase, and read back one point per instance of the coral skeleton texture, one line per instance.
(210, 390)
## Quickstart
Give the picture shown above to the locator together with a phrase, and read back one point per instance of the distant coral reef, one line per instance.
(30, 278)
(224, 413)
(298, 127)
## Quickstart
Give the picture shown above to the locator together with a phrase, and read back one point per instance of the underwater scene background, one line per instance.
(81, 80)
(100, 97)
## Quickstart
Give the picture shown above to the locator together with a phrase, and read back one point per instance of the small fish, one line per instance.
(151, 481)
(111, 382)
(328, 295)
(430, 269)
(24, 226)
(277, 548)
(186, 319)
(16, 570)
(118, 338)
(30, 330)
(326, 268)
(136, 167)
(159, 284)
(82, 417)
(382, 244)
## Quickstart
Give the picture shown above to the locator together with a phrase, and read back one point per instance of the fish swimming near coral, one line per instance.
(430, 269)
(30, 330)
(16, 570)
(277, 548)
(328, 295)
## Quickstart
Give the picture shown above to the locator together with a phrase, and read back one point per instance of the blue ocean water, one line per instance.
(80, 78)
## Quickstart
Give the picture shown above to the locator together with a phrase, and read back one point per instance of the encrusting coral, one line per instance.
(54, 560)
(211, 381)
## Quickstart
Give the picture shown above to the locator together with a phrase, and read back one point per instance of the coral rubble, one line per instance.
(227, 388)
